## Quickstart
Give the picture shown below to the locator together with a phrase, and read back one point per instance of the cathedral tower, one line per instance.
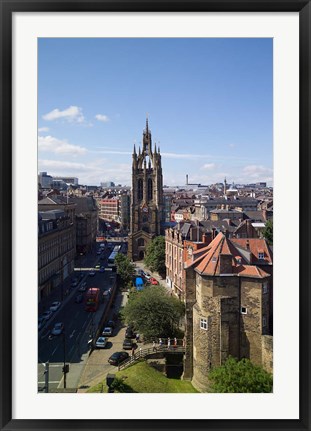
(146, 197)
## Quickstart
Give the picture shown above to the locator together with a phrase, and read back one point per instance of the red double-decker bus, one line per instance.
(92, 299)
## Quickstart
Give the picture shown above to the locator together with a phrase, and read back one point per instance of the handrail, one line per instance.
(142, 353)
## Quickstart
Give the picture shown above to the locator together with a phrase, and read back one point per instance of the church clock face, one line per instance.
(145, 210)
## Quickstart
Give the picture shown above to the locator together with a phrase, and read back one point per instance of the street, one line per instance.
(80, 326)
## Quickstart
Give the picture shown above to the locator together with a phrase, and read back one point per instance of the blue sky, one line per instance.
(209, 103)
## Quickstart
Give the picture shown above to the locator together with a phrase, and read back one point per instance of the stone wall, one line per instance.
(267, 353)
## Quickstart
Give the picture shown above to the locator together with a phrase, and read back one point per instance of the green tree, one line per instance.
(154, 313)
(125, 269)
(240, 376)
(155, 255)
(268, 232)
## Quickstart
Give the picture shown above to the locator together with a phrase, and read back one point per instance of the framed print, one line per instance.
(223, 88)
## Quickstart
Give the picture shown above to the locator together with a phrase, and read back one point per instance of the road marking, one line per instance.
(71, 335)
(54, 381)
(54, 350)
(44, 336)
(85, 323)
(71, 350)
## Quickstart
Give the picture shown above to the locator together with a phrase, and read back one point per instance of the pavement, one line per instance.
(97, 366)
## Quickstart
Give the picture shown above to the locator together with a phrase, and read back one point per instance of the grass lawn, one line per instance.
(143, 378)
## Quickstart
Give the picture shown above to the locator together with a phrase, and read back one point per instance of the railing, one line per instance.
(142, 353)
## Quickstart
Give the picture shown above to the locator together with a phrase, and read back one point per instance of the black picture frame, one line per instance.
(8, 7)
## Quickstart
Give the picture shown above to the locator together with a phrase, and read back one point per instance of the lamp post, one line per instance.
(65, 366)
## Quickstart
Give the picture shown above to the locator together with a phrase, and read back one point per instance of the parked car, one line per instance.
(83, 287)
(102, 269)
(127, 344)
(146, 275)
(153, 281)
(107, 331)
(98, 252)
(79, 299)
(118, 357)
(47, 314)
(129, 333)
(92, 273)
(55, 306)
(41, 322)
(101, 342)
(58, 328)
(111, 323)
(97, 266)
(74, 283)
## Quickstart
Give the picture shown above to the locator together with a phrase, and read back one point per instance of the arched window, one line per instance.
(140, 189)
(150, 191)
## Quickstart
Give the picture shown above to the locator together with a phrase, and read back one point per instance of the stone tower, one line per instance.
(146, 197)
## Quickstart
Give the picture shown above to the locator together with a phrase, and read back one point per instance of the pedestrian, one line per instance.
(140, 352)
(133, 351)
(184, 342)
(154, 349)
(160, 342)
(175, 342)
(168, 343)
(137, 338)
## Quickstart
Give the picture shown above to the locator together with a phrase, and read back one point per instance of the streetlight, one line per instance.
(65, 366)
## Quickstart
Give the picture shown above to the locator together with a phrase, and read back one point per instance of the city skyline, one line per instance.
(209, 104)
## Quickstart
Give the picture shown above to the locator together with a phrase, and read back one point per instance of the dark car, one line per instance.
(79, 299)
(127, 344)
(111, 323)
(118, 357)
(129, 333)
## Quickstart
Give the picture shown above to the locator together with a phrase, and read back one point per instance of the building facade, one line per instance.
(146, 197)
(56, 250)
(86, 217)
(228, 306)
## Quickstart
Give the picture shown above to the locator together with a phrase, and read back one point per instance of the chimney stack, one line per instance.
(186, 179)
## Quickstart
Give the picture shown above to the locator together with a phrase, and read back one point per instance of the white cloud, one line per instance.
(43, 129)
(257, 171)
(71, 114)
(183, 156)
(58, 165)
(91, 173)
(208, 166)
(127, 153)
(101, 117)
(57, 146)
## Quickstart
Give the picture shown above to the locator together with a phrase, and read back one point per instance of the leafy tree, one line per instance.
(268, 232)
(240, 376)
(154, 313)
(155, 255)
(125, 269)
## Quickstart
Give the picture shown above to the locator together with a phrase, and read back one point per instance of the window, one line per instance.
(150, 189)
(264, 322)
(203, 323)
(261, 256)
(140, 189)
(265, 288)
(243, 310)
(141, 242)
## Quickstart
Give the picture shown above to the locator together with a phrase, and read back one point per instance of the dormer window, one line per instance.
(214, 259)
(261, 256)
